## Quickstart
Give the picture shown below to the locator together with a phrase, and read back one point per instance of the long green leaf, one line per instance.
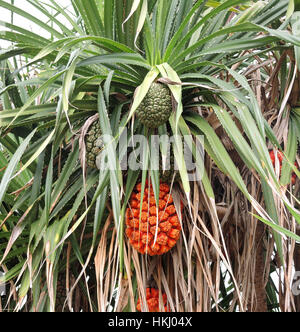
(12, 165)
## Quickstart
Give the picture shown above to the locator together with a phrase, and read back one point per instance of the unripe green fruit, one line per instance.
(156, 108)
(93, 144)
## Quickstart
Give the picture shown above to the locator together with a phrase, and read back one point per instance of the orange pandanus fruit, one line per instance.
(156, 230)
(280, 159)
(152, 298)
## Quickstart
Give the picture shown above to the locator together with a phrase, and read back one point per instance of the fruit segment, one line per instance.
(280, 158)
(157, 229)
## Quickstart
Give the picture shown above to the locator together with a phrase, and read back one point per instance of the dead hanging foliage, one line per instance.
(254, 255)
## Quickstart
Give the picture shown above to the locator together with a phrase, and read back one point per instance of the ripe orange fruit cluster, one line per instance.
(157, 229)
(280, 159)
(152, 297)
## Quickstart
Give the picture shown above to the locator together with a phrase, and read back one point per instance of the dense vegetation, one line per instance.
(232, 67)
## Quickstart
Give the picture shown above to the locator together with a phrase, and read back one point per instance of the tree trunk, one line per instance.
(297, 269)
(261, 299)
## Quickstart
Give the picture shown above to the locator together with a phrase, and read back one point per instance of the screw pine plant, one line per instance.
(230, 70)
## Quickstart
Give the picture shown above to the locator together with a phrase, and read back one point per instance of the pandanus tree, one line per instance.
(224, 76)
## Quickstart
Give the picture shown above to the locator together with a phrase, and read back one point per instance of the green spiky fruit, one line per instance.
(93, 144)
(156, 108)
